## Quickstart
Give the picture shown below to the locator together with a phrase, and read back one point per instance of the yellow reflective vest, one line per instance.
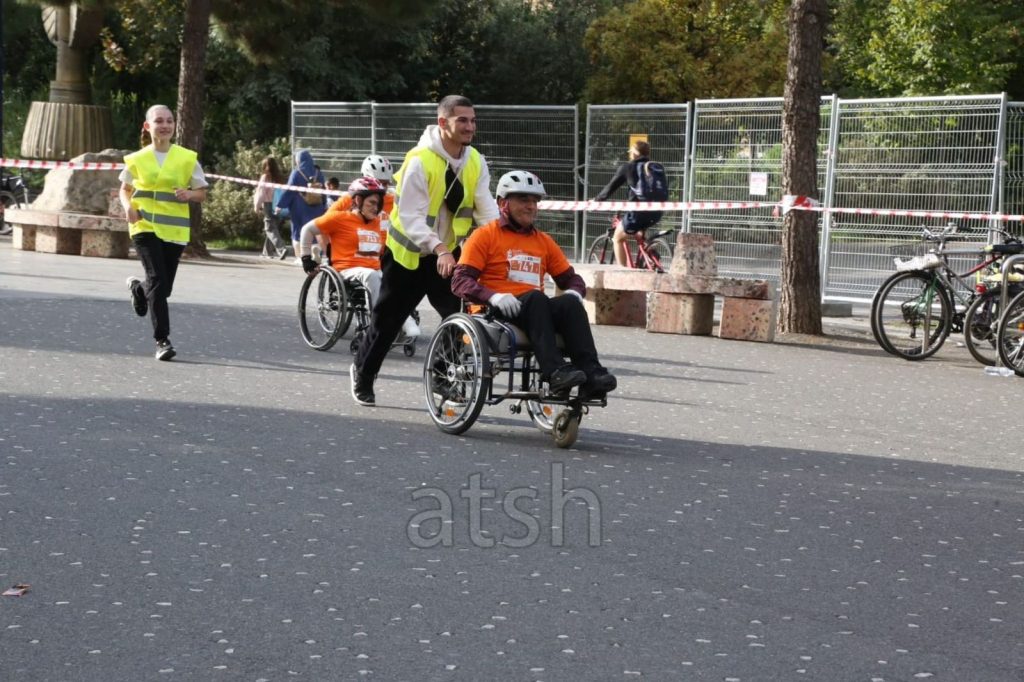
(405, 251)
(159, 210)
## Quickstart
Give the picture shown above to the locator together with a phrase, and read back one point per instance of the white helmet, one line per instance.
(377, 167)
(520, 182)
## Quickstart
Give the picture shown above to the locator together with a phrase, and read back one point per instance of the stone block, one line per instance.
(694, 255)
(748, 319)
(51, 239)
(722, 286)
(105, 244)
(24, 237)
(629, 279)
(680, 313)
(621, 308)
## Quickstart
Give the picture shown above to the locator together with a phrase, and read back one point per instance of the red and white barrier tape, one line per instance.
(788, 202)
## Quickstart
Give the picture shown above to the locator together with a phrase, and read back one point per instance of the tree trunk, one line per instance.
(800, 288)
(191, 89)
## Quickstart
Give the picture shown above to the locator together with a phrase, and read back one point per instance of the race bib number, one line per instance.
(369, 243)
(525, 269)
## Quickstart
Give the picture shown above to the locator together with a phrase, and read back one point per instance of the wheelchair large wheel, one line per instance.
(323, 311)
(456, 373)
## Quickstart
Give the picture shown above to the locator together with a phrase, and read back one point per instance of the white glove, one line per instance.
(508, 304)
(574, 293)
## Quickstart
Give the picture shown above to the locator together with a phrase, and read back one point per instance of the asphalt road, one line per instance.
(804, 510)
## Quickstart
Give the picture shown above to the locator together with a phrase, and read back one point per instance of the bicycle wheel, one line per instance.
(323, 313)
(913, 315)
(1010, 335)
(456, 373)
(661, 255)
(980, 322)
(601, 251)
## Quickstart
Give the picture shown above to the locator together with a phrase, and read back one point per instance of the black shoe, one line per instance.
(598, 384)
(139, 303)
(564, 378)
(361, 387)
(164, 350)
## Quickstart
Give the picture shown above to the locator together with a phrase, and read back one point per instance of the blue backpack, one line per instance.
(651, 182)
(651, 185)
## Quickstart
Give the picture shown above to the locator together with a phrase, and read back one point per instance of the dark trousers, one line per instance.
(401, 290)
(542, 317)
(160, 261)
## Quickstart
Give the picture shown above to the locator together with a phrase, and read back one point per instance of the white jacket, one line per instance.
(415, 198)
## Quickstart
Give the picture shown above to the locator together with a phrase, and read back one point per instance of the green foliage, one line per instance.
(227, 211)
(926, 47)
(678, 50)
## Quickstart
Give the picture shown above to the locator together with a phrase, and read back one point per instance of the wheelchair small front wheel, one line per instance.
(456, 373)
(409, 348)
(566, 428)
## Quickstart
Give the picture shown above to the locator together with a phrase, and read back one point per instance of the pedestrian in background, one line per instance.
(264, 205)
(303, 206)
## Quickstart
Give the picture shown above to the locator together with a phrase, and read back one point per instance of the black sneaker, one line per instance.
(564, 378)
(598, 384)
(139, 303)
(164, 350)
(361, 387)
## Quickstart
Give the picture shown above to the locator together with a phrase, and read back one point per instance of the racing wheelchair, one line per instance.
(462, 372)
(328, 305)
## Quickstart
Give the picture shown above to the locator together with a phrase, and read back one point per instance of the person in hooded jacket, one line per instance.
(441, 191)
(304, 174)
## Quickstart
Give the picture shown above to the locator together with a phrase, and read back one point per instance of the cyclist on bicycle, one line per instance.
(503, 263)
(356, 240)
(633, 221)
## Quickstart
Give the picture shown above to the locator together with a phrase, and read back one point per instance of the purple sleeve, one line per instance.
(466, 285)
(570, 280)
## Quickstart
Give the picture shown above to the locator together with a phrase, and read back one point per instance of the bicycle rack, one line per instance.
(1007, 268)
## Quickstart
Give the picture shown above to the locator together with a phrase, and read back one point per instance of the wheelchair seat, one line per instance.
(502, 335)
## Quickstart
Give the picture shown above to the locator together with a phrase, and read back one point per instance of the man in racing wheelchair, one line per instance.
(503, 264)
(356, 240)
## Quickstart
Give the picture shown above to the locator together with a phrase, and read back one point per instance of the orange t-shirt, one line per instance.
(355, 243)
(345, 203)
(512, 263)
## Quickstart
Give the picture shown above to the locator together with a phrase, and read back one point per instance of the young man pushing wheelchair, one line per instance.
(503, 264)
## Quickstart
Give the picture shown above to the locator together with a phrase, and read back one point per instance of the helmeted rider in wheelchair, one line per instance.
(356, 240)
(503, 264)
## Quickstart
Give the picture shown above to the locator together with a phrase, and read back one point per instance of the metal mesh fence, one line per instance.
(609, 131)
(929, 154)
(952, 154)
(541, 139)
(1012, 199)
(737, 156)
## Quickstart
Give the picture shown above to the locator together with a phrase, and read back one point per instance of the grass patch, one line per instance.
(236, 244)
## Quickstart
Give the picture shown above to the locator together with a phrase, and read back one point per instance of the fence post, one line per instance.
(688, 143)
(832, 151)
(373, 127)
(999, 168)
(586, 187)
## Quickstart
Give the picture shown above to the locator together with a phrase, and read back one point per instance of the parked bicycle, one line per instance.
(641, 252)
(915, 310)
(13, 194)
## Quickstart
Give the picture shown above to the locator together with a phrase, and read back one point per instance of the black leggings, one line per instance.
(401, 290)
(160, 261)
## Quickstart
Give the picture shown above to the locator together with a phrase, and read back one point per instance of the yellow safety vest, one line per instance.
(405, 251)
(159, 210)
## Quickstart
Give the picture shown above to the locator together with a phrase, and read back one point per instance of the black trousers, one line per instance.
(542, 317)
(160, 261)
(401, 290)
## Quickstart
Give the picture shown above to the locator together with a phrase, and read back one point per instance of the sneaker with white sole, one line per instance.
(410, 329)
(164, 350)
(361, 387)
(139, 303)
